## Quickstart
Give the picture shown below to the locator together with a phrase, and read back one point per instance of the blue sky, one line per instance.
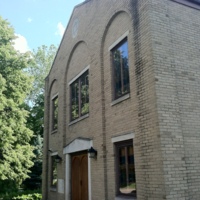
(37, 22)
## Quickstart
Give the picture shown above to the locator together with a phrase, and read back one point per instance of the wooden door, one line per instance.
(80, 177)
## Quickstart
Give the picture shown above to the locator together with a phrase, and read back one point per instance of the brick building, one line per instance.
(125, 81)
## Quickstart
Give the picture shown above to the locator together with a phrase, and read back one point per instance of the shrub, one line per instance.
(34, 196)
(22, 195)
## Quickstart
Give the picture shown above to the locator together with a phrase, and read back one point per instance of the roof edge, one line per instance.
(75, 7)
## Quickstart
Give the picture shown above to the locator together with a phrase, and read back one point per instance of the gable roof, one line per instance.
(75, 8)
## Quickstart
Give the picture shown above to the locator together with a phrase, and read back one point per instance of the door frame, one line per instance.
(77, 145)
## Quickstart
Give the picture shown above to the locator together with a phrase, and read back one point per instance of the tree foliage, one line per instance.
(42, 61)
(16, 152)
(35, 123)
(43, 58)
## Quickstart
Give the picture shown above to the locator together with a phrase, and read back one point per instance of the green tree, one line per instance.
(16, 152)
(35, 123)
(39, 68)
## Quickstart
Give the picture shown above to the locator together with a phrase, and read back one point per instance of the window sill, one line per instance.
(125, 198)
(79, 119)
(123, 98)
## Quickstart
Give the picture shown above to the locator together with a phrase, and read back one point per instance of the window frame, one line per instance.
(54, 98)
(85, 72)
(112, 49)
(117, 146)
(190, 3)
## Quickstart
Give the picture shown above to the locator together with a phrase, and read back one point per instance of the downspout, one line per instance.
(104, 125)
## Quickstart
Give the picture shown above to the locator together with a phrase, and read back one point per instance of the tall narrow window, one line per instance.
(80, 96)
(120, 69)
(53, 172)
(55, 113)
(126, 182)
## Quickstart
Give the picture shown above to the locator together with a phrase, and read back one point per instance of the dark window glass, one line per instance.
(125, 169)
(120, 69)
(75, 100)
(190, 3)
(80, 97)
(84, 94)
(53, 172)
(195, 1)
(55, 114)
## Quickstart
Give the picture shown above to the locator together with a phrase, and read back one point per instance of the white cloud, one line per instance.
(21, 44)
(60, 29)
(29, 20)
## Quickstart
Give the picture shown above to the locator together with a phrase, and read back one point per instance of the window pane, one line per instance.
(55, 113)
(124, 54)
(84, 94)
(197, 1)
(80, 96)
(117, 73)
(122, 169)
(127, 183)
(75, 100)
(121, 69)
(131, 170)
(54, 172)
